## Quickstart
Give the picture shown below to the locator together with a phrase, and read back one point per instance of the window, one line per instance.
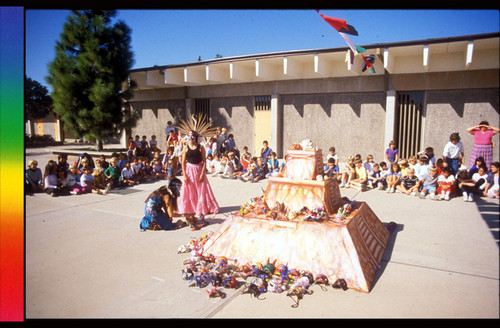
(202, 106)
(409, 118)
(262, 103)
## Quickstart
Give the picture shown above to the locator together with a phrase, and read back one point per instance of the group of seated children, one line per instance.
(420, 176)
(245, 167)
(98, 176)
(142, 148)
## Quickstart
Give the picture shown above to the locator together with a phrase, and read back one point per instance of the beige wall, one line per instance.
(347, 113)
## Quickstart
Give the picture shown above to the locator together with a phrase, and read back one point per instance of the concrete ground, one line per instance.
(87, 258)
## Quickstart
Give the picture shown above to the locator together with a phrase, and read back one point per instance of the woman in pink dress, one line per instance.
(483, 146)
(197, 197)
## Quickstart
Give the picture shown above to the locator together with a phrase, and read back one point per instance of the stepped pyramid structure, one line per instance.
(301, 221)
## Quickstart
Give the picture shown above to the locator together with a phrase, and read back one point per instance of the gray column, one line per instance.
(276, 142)
(390, 115)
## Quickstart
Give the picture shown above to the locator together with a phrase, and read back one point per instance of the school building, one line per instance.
(420, 93)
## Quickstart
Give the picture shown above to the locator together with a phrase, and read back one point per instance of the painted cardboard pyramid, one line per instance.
(280, 226)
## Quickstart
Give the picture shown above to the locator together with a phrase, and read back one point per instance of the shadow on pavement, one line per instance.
(489, 213)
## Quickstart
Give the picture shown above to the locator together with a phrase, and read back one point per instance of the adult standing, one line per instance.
(197, 197)
(483, 145)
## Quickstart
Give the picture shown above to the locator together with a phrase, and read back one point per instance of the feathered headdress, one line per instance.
(200, 124)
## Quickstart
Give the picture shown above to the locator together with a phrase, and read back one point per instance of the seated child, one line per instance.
(222, 165)
(209, 167)
(250, 170)
(404, 166)
(137, 167)
(466, 185)
(149, 174)
(127, 175)
(477, 164)
(384, 171)
(260, 170)
(480, 179)
(393, 177)
(446, 184)
(246, 159)
(409, 183)
(440, 164)
(113, 173)
(87, 182)
(347, 173)
(331, 169)
(492, 188)
(360, 176)
(273, 165)
(34, 177)
(429, 183)
(158, 170)
(100, 179)
(332, 154)
(74, 180)
(368, 164)
(216, 165)
(122, 159)
(422, 168)
(412, 162)
(375, 178)
(232, 166)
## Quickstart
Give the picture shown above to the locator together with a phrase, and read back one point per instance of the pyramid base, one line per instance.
(351, 250)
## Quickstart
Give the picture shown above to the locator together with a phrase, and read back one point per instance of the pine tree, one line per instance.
(89, 75)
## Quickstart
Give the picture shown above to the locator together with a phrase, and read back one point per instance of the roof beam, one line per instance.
(388, 61)
(264, 69)
(291, 68)
(240, 72)
(174, 76)
(155, 78)
(194, 75)
(468, 54)
(426, 57)
(321, 65)
(215, 74)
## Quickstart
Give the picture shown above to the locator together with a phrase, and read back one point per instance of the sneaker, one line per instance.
(471, 198)
(447, 197)
(389, 190)
(73, 193)
(421, 195)
(466, 199)
(243, 179)
(108, 188)
(342, 185)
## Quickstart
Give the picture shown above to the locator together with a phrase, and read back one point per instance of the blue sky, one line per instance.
(164, 37)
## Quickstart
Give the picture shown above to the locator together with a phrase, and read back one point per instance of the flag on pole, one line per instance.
(341, 26)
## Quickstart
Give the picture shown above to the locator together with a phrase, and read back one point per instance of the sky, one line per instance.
(166, 37)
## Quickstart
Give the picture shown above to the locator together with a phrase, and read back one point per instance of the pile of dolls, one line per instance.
(215, 274)
(256, 207)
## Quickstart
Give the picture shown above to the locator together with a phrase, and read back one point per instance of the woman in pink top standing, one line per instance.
(483, 147)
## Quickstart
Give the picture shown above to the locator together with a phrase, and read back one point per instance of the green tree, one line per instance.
(89, 75)
(37, 101)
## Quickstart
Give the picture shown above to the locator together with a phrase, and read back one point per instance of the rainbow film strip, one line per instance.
(11, 164)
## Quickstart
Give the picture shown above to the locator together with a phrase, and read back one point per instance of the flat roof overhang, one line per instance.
(472, 52)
